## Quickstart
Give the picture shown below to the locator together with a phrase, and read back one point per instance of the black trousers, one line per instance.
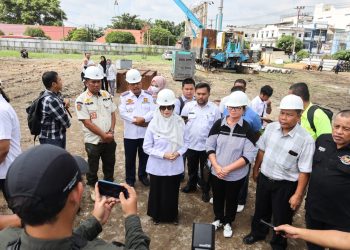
(131, 148)
(105, 151)
(272, 199)
(104, 85)
(243, 193)
(196, 159)
(225, 198)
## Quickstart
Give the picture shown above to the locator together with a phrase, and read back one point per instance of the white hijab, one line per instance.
(171, 128)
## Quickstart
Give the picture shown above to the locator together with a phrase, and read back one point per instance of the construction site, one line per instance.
(208, 55)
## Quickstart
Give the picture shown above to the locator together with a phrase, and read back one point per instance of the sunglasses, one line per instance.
(170, 107)
(234, 108)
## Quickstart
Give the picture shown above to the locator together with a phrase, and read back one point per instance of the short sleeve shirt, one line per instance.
(9, 130)
(98, 109)
(286, 155)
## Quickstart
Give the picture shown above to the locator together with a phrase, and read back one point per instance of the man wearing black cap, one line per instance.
(45, 189)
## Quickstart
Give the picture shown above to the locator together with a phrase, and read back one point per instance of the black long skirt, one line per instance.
(163, 199)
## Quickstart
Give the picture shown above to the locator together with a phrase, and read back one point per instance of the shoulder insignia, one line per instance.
(125, 93)
(345, 159)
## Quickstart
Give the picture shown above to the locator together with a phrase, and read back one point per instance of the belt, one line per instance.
(275, 181)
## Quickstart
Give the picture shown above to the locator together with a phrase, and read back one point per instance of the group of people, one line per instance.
(217, 143)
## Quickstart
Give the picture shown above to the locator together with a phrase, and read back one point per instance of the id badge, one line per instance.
(191, 115)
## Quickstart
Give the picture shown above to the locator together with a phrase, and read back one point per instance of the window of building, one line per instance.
(299, 35)
(307, 34)
(245, 35)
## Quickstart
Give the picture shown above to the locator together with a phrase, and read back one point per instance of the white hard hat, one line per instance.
(237, 99)
(133, 76)
(292, 102)
(94, 73)
(166, 97)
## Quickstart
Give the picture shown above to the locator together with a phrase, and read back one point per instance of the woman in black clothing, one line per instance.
(103, 66)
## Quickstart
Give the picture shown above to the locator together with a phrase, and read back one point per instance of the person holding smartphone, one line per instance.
(165, 143)
(45, 189)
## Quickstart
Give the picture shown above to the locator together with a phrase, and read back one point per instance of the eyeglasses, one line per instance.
(170, 107)
(234, 108)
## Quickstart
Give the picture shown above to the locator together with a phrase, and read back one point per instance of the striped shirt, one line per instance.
(231, 143)
(286, 155)
(54, 121)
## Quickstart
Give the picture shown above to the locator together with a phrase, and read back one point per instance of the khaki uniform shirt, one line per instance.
(98, 109)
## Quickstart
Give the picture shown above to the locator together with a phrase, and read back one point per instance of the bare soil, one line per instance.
(22, 81)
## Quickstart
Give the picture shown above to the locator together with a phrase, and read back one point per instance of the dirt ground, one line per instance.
(22, 81)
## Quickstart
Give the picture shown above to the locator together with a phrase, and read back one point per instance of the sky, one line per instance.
(235, 12)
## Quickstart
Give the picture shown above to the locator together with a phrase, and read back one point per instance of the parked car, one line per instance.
(167, 55)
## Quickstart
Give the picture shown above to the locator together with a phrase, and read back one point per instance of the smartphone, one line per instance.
(272, 226)
(111, 189)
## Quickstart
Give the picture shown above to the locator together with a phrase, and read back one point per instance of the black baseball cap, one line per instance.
(44, 172)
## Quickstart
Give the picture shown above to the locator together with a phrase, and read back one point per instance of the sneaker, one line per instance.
(92, 193)
(217, 224)
(211, 201)
(227, 231)
(240, 208)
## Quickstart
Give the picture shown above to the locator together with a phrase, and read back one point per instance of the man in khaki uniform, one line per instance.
(96, 110)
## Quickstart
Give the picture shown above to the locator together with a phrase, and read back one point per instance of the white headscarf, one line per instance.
(171, 128)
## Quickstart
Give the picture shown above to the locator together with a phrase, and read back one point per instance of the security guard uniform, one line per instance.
(132, 106)
(98, 109)
(328, 199)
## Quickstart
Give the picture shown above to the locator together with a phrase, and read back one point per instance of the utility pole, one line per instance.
(211, 23)
(220, 15)
(298, 8)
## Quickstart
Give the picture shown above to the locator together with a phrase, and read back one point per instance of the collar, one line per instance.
(290, 133)
(53, 93)
(185, 99)
(329, 139)
(29, 242)
(88, 93)
(224, 122)
(141, 93)
(206, 105)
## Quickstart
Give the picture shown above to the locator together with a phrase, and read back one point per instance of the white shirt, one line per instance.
(9, 130)
(200, 121)
(111, 72)
(178, 103)
(156, 147)
(131, 106)
(286, 155)
(259, 106)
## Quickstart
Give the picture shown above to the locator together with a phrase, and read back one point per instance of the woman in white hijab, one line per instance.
(165, 143)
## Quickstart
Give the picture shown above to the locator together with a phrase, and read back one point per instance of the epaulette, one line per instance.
(124, 93)
(148, 92)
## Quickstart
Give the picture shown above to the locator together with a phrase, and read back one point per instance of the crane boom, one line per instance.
(189, 14)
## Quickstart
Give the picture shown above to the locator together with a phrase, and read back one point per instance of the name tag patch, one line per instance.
(321, 149)
(93, 115)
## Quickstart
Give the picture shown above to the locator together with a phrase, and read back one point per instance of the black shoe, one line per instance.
(205, 197)
(251, 239)
(144, 180)
(188, 189)
(155, 222)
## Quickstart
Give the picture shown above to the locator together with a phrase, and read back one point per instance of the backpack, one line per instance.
(182, 104)
(311, 113)
(34, 115)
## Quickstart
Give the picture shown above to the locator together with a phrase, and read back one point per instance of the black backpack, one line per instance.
(34, 111)
(311, 113)
(182, 104)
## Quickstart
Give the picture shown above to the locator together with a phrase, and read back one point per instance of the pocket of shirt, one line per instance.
(290, 161)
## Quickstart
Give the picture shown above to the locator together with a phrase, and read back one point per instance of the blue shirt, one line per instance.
(249, 116)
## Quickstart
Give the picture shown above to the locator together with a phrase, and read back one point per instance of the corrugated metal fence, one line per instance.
(80, 47)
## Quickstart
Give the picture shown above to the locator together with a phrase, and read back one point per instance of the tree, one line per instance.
(286, 43)
(127, 21)
(42, 12)
(34, 32)
(342, 55)
(303, 54)
(176, 30)
(81, 35)
(1, 33)
(160, 36)
(120, 37)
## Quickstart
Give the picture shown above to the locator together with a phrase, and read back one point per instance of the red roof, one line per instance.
(138, 34)
(56, 33)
